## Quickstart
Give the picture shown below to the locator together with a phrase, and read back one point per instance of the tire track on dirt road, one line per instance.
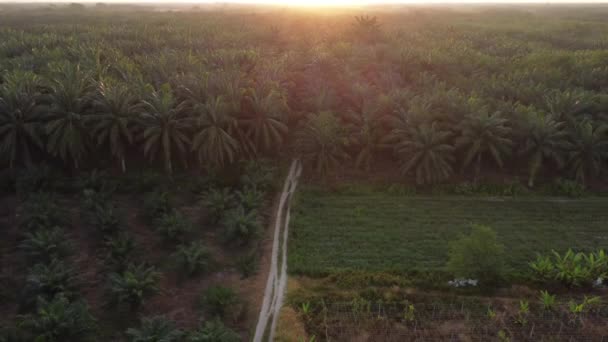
(277, 276)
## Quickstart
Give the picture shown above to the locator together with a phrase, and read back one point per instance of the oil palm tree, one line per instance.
(425, 149)
(164, 128)
(263, 120)
(70, 101)
(113, 123)
(322, 141)
(484, 133)
(20, 118)
(589, 150)
(213, 140)
(366, 132)
(544, 138)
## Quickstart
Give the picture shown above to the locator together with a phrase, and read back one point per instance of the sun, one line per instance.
(317, 3)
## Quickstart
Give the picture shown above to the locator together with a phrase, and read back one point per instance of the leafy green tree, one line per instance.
(478, 255)
(214, 141)
(113, 124)
(263, 120)
(484, 133)
(21, 116)
(322, 141)
(544, 138)
(426, 150)
(165, 128)
(588, 153)
(70, 101)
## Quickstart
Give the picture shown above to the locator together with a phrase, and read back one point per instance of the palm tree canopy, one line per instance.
(164, 127)
(213, 140)
(426, 149)
(589, 150)
(321, 142)
(21, 116)
(483, 132)
(70, 100)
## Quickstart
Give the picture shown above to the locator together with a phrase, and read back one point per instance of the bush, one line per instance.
(172, 226)
(48, 280)
(45, 244)
(120, 249)
(156, 204)
(40, 210)
(570, 188)
(477, 256)
(155, 329)
(133, 285)
(213, 331)
(193, 258)
(217, 202)
(571, 269)
(59, 320)
(241, 226)
(219, 301)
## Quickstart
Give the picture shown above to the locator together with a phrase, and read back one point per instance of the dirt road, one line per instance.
(277, 276)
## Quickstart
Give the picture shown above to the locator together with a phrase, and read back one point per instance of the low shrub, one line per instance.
(213, 331)
(193, 258)
(173, 225)
(571, 269)
(133, 285)
(59, 320)
(45, 244)
(155, 329)
(220, 301)
(401, 190)
(241, 226)
(565, 187)
(478, 256)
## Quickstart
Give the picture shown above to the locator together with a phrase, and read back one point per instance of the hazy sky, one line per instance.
(287, 2)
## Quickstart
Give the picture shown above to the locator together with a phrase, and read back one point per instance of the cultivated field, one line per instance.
(377, 231)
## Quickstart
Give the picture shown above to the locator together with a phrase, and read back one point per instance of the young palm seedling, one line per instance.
(217, 202)
(46, 244)
(213, 330)
(173, 226)
(157, 328)
(547, 301)
(133, 285)
(193, 258)
(522, 313)
(59, 320)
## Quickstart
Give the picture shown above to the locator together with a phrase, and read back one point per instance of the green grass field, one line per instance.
(376, 231)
